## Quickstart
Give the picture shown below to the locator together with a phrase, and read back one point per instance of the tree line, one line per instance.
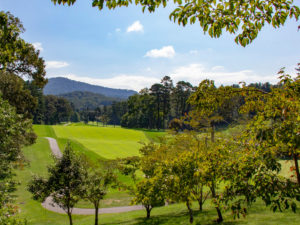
(159, 106)
(18, 59)
(193, 165)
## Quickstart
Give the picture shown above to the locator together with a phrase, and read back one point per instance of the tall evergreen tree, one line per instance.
(157, 90)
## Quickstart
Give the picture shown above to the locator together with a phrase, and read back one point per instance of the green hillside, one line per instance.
(39, 156)
(84, 99)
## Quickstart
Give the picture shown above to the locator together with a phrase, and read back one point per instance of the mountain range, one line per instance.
(61, 85)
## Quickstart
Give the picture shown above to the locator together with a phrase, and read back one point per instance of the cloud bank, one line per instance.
(56, 64)
(193, 73)
(122, 81)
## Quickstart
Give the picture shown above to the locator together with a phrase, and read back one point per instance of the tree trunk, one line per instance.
(213, 194)
(148, 209)
(96, 214)
(70, 216)
(206, 142)
(212, 133)
(295, 155)
(200, 205)
(200, 200)
(220, 219)
(158, 117)
(190, 211)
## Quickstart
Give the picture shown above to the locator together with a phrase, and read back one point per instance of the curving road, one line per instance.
(50, 205)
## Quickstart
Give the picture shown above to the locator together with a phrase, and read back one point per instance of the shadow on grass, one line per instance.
(200, 218)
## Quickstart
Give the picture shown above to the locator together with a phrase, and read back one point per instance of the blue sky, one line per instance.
(125, 48)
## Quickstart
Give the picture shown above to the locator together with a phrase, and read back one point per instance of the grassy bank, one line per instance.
(40, 157)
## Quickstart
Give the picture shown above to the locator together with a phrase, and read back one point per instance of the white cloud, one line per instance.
(123, 81)
(135, 27)
(38, 46)
(164, 52)
(195, 73)
(56, 64)
(118, 30)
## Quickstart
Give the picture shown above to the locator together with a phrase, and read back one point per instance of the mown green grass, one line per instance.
(154, 135)
(40, 157)
(114, 197)
(44, 131)
(108, 142)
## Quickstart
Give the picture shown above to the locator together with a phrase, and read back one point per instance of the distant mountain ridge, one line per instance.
(87, 100)
(61, 85)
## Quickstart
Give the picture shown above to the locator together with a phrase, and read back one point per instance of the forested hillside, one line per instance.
(60, 85)
(83, 99)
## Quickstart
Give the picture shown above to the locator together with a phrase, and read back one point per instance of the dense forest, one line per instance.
(88, 100)
(156, 107)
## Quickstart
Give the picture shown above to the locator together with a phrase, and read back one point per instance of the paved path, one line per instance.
(48, 204)
(54, 147)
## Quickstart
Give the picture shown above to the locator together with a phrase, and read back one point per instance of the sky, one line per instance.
(126, 48)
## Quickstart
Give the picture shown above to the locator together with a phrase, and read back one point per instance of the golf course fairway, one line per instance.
(108, 142)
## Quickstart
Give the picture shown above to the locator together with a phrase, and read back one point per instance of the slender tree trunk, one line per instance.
(158, 116)
(295, 155)
(200, 200)
(213, 194)
(190, 211)
(148, 209)
(212, 133)
(70, 216)
(220, 219)
(96, 214)
(200, 205)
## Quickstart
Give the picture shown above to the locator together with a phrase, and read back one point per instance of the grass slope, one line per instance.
(40, 157)
(108, 142)
(114, 197)
(44, 131)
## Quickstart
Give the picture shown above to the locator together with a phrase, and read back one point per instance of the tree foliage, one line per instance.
(64, 183)
(16, 55)
(57, 109)
(242, 17)
(276, 125)
(15, 132)
(149, 193)
(95, 187)
(13, 89)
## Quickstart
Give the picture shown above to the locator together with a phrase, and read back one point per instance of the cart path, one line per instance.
(50, 205)
(54, 147)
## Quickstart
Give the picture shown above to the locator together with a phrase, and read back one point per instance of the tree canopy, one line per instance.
(244, 18)
(64, 183)
(16, 55)
(15, 133)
